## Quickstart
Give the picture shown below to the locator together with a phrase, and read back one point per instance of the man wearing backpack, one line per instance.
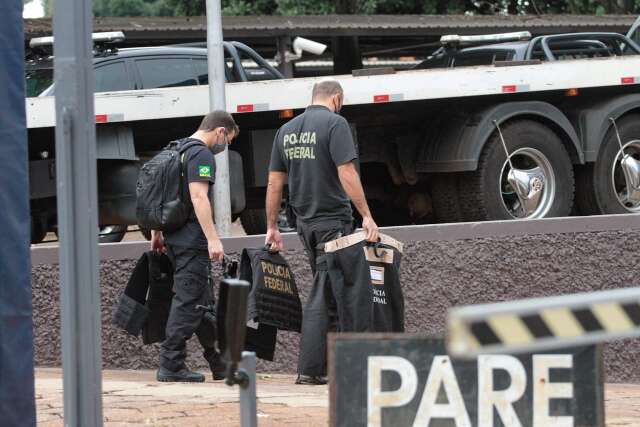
(191, 248)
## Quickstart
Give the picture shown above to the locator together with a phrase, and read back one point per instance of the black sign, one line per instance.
(408, 380)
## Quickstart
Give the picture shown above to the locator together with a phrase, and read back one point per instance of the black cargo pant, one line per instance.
(320, 314)
(191, 288)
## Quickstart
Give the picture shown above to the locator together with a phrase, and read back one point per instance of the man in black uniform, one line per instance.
(191, 249)
(316, 151)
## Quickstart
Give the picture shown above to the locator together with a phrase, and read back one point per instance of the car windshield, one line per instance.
(37, 80)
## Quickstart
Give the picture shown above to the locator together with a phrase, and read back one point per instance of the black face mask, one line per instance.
(217, 148)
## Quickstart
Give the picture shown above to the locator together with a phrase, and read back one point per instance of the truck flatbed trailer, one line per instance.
(514, 139)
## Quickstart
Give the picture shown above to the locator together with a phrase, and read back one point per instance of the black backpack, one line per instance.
(160, 195)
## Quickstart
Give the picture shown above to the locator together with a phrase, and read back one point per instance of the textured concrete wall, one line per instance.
(435, 275)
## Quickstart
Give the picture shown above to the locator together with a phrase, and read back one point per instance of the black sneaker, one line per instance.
(184, 375)
(311, 380)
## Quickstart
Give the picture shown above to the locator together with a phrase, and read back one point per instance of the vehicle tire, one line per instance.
(602, 185)
(112, 233)
(146, 233)
(254, 221)
(485, 194)
(38, 231)
(444, 194)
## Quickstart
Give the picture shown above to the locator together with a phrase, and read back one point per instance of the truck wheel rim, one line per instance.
(528, 190)
(108, 230)
(625, 176)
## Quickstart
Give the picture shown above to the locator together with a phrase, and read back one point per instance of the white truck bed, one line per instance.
(415, 85)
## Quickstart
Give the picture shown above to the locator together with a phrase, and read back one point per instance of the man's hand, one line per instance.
(157, 242)
(274, 239)
(370, 228)
(216, 251)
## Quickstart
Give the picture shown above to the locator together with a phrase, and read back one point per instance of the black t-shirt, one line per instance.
(309, 148)
(199, 165)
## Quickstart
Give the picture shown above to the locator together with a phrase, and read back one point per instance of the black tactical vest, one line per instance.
(274, 298)
(144, 306)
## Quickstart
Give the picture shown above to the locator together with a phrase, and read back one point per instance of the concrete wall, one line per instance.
(436, 275)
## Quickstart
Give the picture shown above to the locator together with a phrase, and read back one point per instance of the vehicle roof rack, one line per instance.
(453, 40)
(103, 45)
(106, 37)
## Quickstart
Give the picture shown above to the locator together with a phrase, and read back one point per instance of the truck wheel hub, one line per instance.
(528, 188)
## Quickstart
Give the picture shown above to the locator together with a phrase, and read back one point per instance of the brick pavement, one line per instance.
(134, 398)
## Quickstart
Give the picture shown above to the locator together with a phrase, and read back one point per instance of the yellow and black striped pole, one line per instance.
(543, 323)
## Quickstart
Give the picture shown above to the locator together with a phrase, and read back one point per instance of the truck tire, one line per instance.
(254, 221)
(146, 233)
(485, 194)
(38, 231)
(602, 185)
(112, 233)
(444, 193)
(109, 233)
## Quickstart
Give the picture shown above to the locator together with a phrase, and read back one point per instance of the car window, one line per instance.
(37, 80)
(202, 71)
(436, 61)
(112, 77)
(166, 72)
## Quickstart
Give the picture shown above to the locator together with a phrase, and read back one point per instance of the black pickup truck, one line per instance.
(128, 69)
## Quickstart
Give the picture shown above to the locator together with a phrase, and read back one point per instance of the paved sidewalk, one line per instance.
(134, 398)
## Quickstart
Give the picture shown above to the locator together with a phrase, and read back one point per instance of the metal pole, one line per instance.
(215, 54)
(248, 408)
(77, 213)
(284, 46)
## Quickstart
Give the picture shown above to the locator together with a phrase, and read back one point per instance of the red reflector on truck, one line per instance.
(247, 108)
(380, 98)
(509, 88)
(627, 80)
(101, 118)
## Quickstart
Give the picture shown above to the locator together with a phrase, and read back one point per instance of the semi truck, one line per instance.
(489, 127)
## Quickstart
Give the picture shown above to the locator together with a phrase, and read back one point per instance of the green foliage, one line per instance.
(48, 7)
(247, 7)
(304, 7)
(121, 8)
(320, 7)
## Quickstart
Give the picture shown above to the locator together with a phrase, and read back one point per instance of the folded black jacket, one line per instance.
(365, 280)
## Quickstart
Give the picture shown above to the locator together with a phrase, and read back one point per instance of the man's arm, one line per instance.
(202, 206)
(274, 200)
(350, 181)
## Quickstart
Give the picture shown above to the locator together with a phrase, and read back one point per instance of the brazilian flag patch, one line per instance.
(204, 171)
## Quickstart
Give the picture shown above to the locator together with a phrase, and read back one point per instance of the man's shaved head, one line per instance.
(325, 89)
